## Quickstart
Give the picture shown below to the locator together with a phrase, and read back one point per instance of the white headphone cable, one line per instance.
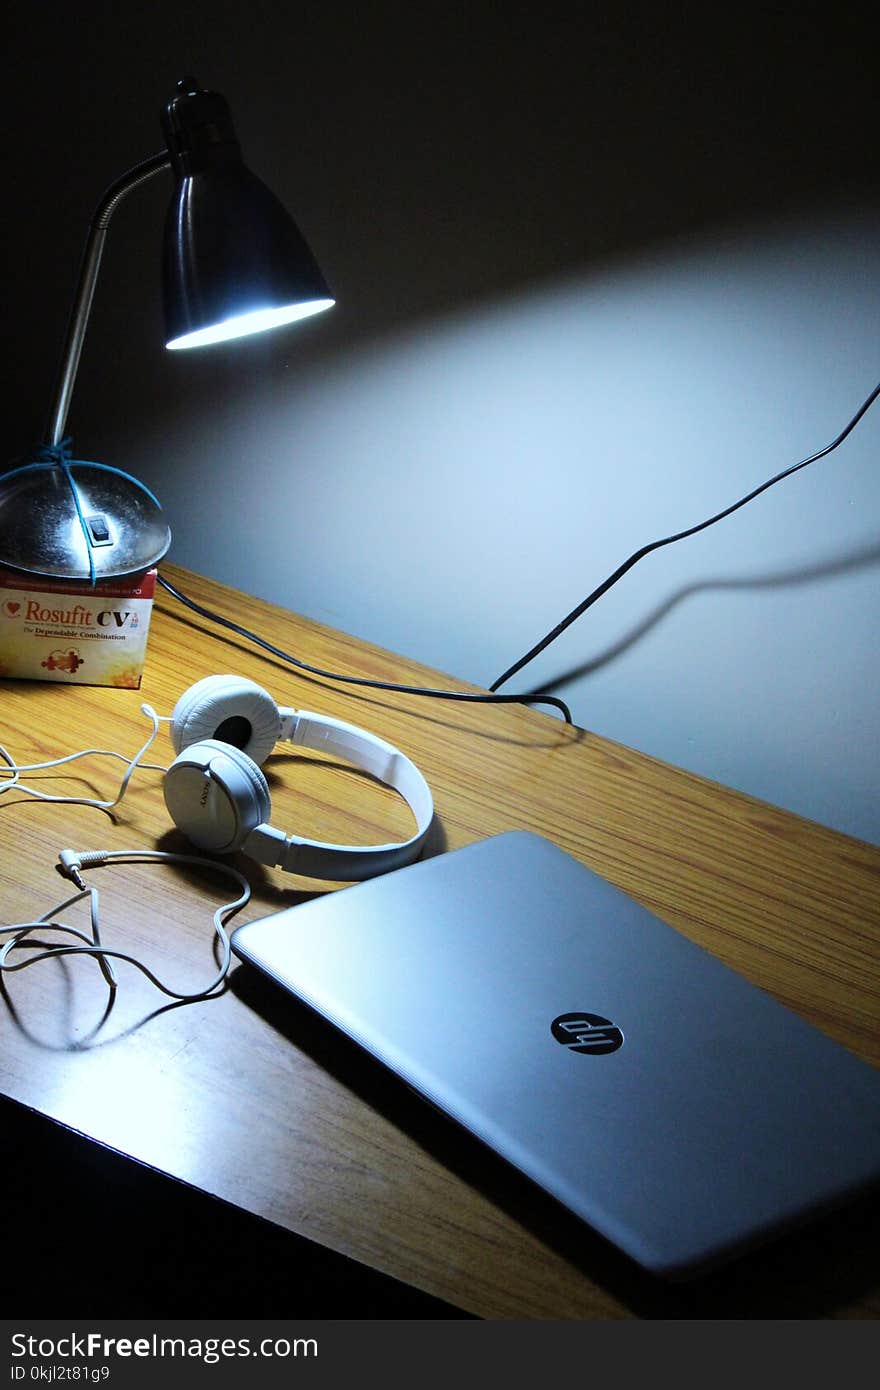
(71, 862)
(16, 769)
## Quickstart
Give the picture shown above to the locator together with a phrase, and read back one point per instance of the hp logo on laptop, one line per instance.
(586, 1033)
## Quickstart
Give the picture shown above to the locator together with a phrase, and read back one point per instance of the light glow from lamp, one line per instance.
(257, 321)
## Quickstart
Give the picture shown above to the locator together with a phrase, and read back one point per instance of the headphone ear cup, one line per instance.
(229, 708)
(216, 795)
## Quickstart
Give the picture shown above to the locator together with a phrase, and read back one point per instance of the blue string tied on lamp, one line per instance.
(60, 456)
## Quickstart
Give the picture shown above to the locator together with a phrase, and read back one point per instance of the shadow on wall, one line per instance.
(853, 560)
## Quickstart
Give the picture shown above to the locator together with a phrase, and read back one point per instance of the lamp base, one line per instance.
(107, 527)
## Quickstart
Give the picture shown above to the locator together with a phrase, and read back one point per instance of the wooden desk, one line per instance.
(249, 1099)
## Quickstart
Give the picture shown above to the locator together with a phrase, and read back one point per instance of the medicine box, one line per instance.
(61, 630)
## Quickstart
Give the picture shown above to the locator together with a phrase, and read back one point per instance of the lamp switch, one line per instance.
(99, 530)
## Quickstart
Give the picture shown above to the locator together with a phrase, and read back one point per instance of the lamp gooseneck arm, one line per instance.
(85, 289)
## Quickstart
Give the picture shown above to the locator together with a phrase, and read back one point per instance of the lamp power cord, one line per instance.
(291, 660)
(536, 697)
(640, 554)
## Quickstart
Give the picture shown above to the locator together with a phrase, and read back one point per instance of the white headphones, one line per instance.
(223, 727)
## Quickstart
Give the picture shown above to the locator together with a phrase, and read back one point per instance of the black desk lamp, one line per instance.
(234, 263)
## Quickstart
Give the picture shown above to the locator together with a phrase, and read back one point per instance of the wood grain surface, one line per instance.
(249, 1098)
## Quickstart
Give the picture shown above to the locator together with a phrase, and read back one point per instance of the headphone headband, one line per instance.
(368, 753)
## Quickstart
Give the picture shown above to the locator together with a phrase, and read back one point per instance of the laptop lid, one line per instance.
(669, 1103)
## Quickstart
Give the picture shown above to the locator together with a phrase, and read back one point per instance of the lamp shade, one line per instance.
(234, 261)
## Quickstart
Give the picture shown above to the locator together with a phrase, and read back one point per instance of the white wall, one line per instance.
(452, 491)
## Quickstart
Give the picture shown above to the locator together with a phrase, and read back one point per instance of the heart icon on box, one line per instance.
(12, 607)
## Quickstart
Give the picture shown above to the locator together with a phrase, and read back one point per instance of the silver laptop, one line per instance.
(680, 1111)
